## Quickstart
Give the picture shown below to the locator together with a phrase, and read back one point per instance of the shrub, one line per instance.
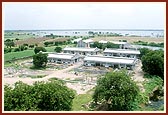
(38, 49)
(50, 96)
(117, 90)
(40, 60)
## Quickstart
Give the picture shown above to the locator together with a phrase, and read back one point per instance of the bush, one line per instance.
(153, 63)
(58, 49)
(16, 49)
(31, 46)
(40, 60)
(117, 90)
(50, 96)
(38, 49)
(7, 50)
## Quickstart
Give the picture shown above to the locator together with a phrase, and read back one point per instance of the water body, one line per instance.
(84, 32)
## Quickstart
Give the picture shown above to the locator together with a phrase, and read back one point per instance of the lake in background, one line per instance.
(84, 32)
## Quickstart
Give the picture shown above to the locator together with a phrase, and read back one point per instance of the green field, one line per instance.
(26, 53)
(16, 55)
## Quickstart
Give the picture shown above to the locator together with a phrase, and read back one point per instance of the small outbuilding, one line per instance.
(121, 53)
(81, 50)
(63, 58)
(114, 62)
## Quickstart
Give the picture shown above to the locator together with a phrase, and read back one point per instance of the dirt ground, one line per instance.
(63, 74)
(130, 39)
(80, 82)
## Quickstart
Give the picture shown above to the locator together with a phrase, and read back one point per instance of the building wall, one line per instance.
(81, 53)
(104, 64)
(61, 61)
(120, 55)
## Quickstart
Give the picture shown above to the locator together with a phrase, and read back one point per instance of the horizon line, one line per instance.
(83, 29)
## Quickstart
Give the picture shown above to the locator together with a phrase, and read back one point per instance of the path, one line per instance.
(138, 76)
(61, 74)
(58, 74)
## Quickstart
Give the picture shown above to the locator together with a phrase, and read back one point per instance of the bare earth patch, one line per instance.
(130, 39)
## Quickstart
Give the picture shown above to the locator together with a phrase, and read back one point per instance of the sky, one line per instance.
(32, 16)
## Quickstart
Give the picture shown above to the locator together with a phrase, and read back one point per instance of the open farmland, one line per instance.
(40, 41)
(16, 55)
(130, 39)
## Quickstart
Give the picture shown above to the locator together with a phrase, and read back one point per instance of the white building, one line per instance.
(63, 58)
(84, 43)
(121, 53)
(81, 50)
(114, 62)
(77, 40)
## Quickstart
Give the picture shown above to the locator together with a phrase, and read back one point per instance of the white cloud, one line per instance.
(83, 15)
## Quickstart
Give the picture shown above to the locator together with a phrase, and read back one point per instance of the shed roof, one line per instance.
(88, 40)
(82, 49)
(116, 42)
(61, 55)
(77, 40)
(110, 60)
(124, 51)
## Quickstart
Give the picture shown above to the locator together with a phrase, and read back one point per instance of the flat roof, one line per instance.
(103, 41)
(124, 51)
(110, 60)
(61, 55)
(88, 40)
(82, 49)
(77, 40)
(116, 42)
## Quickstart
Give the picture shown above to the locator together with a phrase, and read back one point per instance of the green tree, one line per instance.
(40, 60)
(117, 91)
(9, 43)
(97, 44)
(144, 51)
(38, 49)
(41, 96)
(58, 49)
(153, 63)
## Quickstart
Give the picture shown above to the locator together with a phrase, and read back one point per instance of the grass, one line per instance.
(16, 55)
(82, 100)
(26, 53)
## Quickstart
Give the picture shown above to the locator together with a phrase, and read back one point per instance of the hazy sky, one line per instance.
(84, 15)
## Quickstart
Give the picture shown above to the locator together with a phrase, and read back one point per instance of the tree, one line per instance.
(97, 44)
(31, 46)
(144, 51)
(40, 60)
(41, 96)
(9, 43)
(58, 49)
(38, 49)
(117, 91)
(153, 63)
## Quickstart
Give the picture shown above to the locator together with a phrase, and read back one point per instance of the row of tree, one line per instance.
(104, 45)
(41, 96)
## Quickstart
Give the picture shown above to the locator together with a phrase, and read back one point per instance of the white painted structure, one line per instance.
(84, 43)
(115, 62)
(77, 40)
(121, 53)
(81, 50)
(63, 58)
